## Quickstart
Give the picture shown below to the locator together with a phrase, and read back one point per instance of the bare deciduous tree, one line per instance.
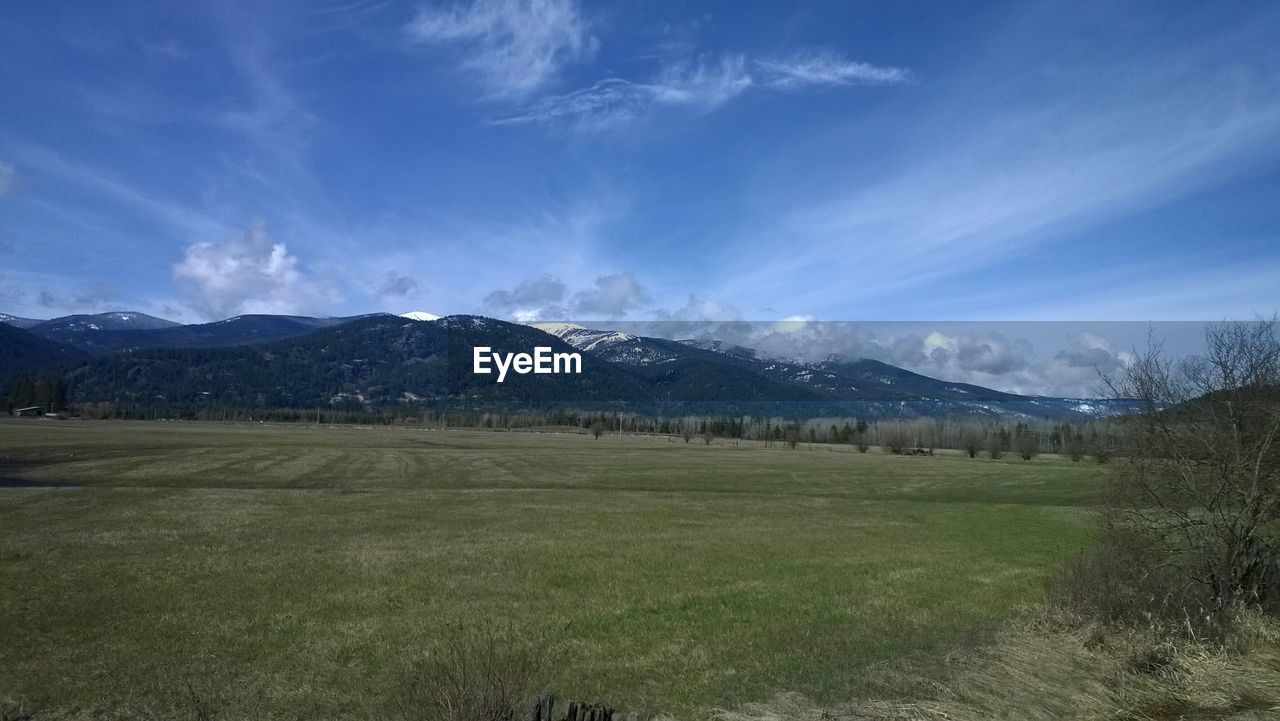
(1197, 476)
(792, 436)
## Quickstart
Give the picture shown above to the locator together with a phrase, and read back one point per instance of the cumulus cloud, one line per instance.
(991, 354)
(613, 296)
(532, 299)
(513, 46)
(996, 360)
(398, 286)
(251, 274)
(825, 67)
(546, 297)
(8, 177)
(701, 85)
(1090, 350)
(1085, 364)
(700, 307)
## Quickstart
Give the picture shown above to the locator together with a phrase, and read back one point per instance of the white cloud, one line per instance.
(513, 46)
(249, 275)
(606, 104)
(698, 309)
(613, 296)
(995, 359)
(8, 177)
(545, 297)
(701, 85)
(532, 299)
(705, 82)
(825, 67)
(399, 286)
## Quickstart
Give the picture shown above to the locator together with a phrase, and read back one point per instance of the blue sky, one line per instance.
(668, 160)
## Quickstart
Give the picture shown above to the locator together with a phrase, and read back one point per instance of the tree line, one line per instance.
(991, 438)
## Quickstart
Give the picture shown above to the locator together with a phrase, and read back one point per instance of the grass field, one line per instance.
(289, 571)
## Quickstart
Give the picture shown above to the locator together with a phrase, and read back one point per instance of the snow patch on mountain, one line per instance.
(17, 322)
(117, 320)
(557, 329)
(420, 315)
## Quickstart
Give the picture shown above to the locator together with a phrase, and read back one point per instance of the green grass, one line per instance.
(289, 571)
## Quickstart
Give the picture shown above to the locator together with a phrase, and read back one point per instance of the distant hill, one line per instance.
(24, 353)
(369, 363)
(710, 370)
(383, 361)
(17, 322)
(93, 334)
(70, 325)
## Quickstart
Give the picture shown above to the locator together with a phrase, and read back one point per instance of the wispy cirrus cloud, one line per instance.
(513, 46)
(8, 177)
(701, 85)
(806, 68)
(1060, 158)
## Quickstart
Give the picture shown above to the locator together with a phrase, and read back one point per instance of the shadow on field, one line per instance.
(10, 476)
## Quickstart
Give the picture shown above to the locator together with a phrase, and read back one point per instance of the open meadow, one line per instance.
(289, 571)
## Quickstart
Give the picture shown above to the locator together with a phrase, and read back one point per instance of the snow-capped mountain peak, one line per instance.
(557, 329)
(584, 338)
(420, 315)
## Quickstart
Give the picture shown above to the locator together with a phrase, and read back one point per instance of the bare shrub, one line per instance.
(1027, 445)
(1195, 489)
(897, 439)
(995, 449)
(477, 673)
(1125, 582)
(1074, 447)
(1099, 449)
(597, 429)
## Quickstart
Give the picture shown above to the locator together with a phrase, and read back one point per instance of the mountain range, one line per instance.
(382, 361)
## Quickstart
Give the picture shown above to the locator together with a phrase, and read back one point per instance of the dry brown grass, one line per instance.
(1045, 669)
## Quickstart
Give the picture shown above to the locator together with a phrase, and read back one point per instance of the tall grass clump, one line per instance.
(477, 672)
